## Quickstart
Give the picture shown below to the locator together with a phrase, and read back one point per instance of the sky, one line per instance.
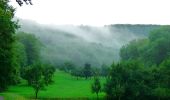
(95, 12)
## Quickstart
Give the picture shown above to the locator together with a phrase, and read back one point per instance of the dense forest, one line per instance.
(114, 62)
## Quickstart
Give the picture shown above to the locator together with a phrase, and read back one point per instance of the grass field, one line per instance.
(65, 86)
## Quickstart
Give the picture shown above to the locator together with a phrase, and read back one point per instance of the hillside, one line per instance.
(82, 44)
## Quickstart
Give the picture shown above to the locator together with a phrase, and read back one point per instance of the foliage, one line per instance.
(87, 70)
(8, 72)
(32, 46)
(77, 72)
(154, 78)
(96, 86)
(104, 71)
(48, 72)
(129, 81)
(68, 67)
(38, 76)
(19, 60)
(153, 50)
(143, 72)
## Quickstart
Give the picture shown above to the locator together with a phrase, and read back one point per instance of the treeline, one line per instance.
(144, 70)
(138, 29)
(86, 71)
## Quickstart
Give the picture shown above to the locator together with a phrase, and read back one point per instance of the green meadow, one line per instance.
(65, 86)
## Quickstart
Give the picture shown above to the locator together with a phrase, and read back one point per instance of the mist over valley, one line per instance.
(84, 44)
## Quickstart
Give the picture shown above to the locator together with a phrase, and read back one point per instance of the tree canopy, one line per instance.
(7, 28)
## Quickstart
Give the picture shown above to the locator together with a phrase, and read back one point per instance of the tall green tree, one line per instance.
(115, 85)
(37, 82)
(96, 86)
(38, 76)
(7, 29)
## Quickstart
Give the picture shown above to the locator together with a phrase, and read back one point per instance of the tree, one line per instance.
(128, 80)
(96, 86)
(134, 49)
(159, 44)
(77, 72)
(48, 72)
(115, 85)
(68, 67)
(87, 70)
(118, 91)
(7, 29)
(37, 81)
(38, 76)
(104, 70)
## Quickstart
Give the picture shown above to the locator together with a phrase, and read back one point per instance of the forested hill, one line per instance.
(84, 44)
(140, 29)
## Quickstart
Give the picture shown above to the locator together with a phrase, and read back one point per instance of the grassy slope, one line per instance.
(65, 86)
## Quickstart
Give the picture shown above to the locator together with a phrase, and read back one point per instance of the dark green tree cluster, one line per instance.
(144, 70)
(153, 50)
(130, 80)
(68, 67)
(87, 71)
(77, 72)
(8, 72)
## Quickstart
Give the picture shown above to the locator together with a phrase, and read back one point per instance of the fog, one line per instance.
(82, 44)
(107, 36)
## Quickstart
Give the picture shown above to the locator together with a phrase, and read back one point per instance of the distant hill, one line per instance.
(82, 44)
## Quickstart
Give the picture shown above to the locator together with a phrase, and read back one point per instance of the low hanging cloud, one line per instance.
(81, 44)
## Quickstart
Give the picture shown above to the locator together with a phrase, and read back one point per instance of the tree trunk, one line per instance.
(119, 97)
(36, 94)
(97, 96)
